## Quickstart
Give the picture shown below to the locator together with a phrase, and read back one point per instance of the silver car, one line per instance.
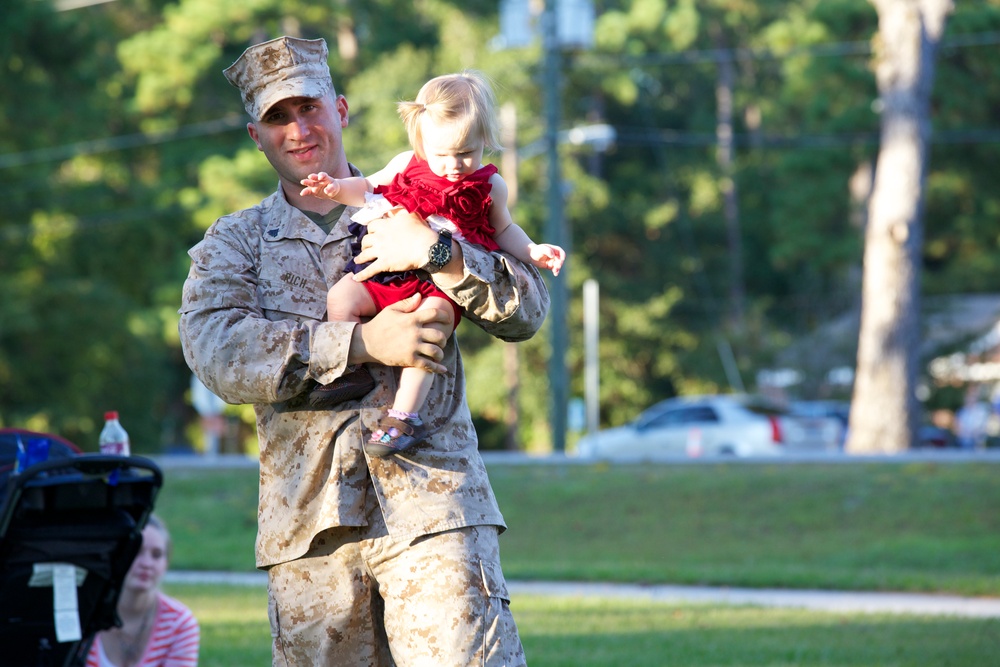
(729, 424)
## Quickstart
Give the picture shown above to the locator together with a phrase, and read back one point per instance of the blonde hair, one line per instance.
(464, 99)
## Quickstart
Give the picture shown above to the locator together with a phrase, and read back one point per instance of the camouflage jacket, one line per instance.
(252, 330)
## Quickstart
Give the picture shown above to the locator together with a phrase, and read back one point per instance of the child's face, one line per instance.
(447, 155)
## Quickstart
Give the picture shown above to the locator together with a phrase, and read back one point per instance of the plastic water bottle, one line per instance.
(113, 439)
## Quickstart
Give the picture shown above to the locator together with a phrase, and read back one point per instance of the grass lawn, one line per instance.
(916, 527)
(602, 633)
(866, 526)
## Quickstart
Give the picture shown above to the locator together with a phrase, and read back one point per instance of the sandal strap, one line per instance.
(389, 422)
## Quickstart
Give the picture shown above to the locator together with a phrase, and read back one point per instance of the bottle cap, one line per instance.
(110, 414)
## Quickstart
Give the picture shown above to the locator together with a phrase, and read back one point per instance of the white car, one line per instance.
(730, 424)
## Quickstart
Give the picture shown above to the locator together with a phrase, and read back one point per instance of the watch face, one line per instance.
(440, 254)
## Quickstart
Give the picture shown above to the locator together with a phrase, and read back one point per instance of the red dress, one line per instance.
(465, 204)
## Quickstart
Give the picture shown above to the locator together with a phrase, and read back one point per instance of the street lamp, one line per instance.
(600, 136)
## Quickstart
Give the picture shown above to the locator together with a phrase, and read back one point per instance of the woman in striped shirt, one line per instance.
(156, 630)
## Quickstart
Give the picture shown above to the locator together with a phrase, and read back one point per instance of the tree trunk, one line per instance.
(884, 409)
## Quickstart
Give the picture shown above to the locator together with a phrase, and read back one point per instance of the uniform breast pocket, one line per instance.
(282, 301)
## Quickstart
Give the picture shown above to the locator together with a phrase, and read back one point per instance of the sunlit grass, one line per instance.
(584, 632)
(872, 526)
(234, 627)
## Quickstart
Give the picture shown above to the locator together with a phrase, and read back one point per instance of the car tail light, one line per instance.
(775, 430)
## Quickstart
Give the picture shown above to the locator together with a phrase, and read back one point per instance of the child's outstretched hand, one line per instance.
(320, 185)
(547, 256)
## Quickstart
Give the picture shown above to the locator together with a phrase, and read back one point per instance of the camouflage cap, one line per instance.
(286, 67)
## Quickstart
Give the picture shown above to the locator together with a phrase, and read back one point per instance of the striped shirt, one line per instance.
(172, 643)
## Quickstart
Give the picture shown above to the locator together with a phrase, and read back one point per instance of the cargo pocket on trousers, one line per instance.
(501, 644)
(272, 618)
(493, 581)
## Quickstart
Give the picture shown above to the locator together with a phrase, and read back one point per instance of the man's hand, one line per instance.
(401, 335)
(397, 242)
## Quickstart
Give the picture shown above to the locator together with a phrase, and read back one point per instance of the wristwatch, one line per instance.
(439, 253)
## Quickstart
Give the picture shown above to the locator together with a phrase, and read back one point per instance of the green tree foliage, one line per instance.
(120, 143)
(90, 249)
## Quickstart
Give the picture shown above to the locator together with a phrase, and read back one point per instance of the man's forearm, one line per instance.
(504, 297)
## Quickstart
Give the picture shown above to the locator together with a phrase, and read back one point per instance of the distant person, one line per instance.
(450, 124)
(971, 421)
(156, 630)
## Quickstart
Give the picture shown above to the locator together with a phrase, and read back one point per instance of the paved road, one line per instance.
(833, 601)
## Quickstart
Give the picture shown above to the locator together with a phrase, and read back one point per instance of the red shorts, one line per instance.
(397, 290)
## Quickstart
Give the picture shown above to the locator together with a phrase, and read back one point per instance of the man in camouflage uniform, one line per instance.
(370, 561)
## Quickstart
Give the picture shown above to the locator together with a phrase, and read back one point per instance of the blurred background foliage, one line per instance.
(120, 143)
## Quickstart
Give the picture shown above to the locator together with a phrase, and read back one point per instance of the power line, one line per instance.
(122, 142)
(831, 50)
(69, 5)
(695, 56)
(646, 136)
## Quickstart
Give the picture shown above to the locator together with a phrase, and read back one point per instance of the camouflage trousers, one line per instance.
(360, 598)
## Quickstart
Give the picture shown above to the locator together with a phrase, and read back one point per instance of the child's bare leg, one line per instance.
(414, 385)
(347, 301)
(402, 427)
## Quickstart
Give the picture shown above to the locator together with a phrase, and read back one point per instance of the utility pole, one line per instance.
(564, 24)
(555, 231)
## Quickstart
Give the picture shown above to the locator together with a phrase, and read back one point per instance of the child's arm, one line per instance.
(511, 238)
(351, 191)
